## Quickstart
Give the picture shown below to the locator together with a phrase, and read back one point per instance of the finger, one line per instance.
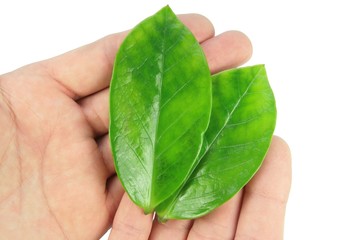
(219, 224)
(114, 194)
(96, 111)
(105, 150)
(199, 25)
(130, 222)
(224, 51)
(88, 69)
(263, 209)
(172, 229)
(227, 50)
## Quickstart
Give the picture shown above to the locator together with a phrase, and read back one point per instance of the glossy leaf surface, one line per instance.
(241, 127)
(160, 103)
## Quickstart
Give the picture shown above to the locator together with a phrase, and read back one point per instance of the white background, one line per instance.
(311, 51)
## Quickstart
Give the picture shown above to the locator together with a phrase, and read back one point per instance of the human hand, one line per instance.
(57, 174)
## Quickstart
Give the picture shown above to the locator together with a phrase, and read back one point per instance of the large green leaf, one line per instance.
(160, 103)
(239, 134)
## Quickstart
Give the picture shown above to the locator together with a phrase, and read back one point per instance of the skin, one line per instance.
(57, 174)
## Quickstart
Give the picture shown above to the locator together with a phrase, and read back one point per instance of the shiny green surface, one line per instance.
(160, 103)
(241, 127)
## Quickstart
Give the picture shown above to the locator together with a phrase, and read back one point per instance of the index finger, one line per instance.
(88, 69)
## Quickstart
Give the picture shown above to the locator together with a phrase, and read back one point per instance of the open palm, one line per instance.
(57, 175)
(53, 172)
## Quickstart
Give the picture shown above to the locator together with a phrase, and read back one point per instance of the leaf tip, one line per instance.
(161, 220)
(167, 8)
(148, 210)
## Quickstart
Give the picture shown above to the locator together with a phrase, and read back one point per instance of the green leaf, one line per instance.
(160, 103)
(239, 134)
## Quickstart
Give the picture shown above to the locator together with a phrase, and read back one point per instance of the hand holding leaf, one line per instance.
(160, 103)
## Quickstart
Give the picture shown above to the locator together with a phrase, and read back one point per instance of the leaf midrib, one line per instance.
(163, 43)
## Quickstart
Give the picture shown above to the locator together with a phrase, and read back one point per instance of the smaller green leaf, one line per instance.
(239, 134)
